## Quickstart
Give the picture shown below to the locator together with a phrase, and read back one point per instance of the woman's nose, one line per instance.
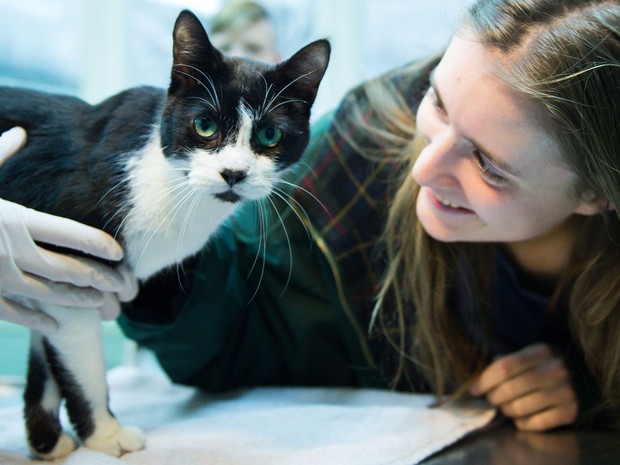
(437, 162)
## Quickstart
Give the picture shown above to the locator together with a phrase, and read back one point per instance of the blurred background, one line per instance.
(95, 48)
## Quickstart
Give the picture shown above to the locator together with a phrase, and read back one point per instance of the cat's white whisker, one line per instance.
(206, 102)
(288, 242)
(174, 184)
(259, 219)
(188, 219)
(127, 208)
(111, 189)
(261, 109)
(287, 198)
(261, 249)
(213, 95)
(121, 210)
(273, 99)
(207, 77)
(171, 214)
(305, 191)
(179, 201)
(179, 188)
(285, 102)
(118, 211)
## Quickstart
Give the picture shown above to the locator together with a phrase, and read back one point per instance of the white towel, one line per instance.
(275, 426)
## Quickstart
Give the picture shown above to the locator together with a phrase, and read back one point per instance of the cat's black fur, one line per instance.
(74, 150)
(91, 163)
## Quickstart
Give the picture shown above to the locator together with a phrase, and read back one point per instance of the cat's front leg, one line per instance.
(75, 356)
(46, 439)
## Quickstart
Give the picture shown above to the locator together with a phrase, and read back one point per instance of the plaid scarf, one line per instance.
(352, 190)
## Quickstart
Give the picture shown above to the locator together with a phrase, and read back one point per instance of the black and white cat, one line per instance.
(159, 171)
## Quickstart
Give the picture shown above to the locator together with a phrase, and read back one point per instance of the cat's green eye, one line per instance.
(269, 136)
(206, 127)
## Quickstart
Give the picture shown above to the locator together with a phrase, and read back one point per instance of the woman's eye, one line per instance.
(488, 171)
(269, 136)
(206, 127)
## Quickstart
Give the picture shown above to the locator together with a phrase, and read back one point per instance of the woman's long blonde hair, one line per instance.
(563, 55)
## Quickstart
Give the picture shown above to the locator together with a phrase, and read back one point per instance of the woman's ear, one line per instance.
(593, 204)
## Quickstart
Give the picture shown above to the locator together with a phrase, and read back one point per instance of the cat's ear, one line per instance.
(194, 57)
(305, 69)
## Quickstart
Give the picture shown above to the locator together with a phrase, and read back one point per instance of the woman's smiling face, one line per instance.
(490, 172)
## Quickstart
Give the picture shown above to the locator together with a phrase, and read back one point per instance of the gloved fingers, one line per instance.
(111, 308)
(131, 287)
(81, 272)
(53, 292)
(36, 320)
(11, 141)
(64, 232)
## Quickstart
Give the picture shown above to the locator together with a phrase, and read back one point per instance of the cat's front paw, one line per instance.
(125, 439)
(63, 447)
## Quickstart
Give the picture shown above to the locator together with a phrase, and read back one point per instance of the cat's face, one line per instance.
(232, 124)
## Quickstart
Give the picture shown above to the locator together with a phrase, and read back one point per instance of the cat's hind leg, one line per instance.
(75, 356)
(46, 439)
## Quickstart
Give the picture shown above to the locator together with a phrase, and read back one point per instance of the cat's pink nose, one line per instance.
(233, 177)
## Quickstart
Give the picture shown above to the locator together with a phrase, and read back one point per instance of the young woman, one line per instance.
(454, 230)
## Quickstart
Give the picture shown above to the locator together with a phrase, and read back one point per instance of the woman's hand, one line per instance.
(532, 387)
(31, 272)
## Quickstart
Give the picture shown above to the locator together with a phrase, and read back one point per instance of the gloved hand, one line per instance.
(111, 308)
(30, 271)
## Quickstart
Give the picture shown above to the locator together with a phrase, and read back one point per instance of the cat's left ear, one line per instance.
(305, 69)
(194, 55)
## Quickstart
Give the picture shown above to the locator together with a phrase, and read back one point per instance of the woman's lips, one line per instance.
(446, 205)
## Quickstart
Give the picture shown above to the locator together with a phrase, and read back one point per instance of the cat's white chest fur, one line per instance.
(171, 218)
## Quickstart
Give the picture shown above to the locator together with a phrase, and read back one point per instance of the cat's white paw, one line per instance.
(63, 447)
(122, 440)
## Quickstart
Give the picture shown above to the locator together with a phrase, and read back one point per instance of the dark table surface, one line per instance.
(505, 445)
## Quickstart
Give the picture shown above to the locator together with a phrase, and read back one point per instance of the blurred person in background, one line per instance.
(244, 28)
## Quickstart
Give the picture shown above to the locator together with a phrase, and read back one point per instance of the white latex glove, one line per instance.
(111, 308)
(11, 141)
(30, 271)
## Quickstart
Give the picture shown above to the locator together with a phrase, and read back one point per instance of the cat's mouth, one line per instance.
(228, 196)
